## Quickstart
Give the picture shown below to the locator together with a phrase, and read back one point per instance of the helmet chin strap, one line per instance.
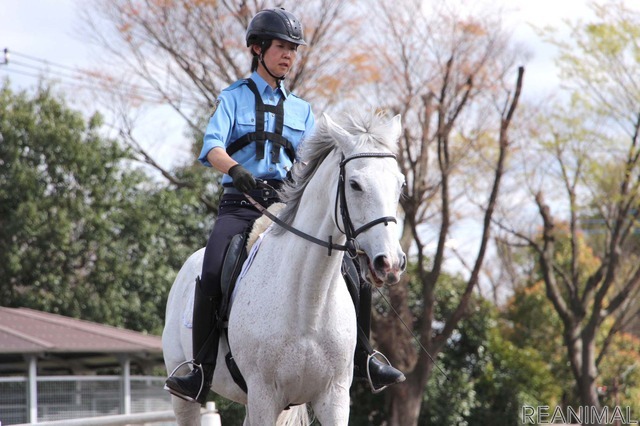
(278, 79)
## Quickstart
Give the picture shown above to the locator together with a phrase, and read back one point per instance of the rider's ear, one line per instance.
(334, 129)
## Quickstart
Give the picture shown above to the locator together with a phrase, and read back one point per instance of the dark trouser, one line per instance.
(364, 322)
(235, 215)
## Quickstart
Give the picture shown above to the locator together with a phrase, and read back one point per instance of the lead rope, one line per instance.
(412, 334)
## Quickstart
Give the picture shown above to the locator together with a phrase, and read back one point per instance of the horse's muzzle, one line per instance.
(383, 271)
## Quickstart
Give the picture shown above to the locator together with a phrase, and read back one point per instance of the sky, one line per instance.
(48, 30)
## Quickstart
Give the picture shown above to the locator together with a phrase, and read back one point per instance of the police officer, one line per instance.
(254, 133)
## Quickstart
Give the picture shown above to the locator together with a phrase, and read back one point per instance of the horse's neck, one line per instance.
(316, 274)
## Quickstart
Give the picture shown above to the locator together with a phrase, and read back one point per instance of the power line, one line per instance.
(20, 72)
(79, 78)
(44, 61)
(80, 81)
(77, 85)
(76, 72)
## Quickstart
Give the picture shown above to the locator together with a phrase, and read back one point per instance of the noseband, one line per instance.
(341, 198)
(351, 247)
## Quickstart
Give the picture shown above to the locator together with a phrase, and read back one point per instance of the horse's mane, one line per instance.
(367, 130)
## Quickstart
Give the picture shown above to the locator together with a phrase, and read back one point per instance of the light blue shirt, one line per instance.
(235, 116)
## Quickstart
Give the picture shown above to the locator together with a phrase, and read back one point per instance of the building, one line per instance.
(54, 367)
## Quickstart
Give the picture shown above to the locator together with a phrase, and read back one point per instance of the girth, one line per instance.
(260, 136)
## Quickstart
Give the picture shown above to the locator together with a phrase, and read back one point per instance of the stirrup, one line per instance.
(187, 397)
(373, 388)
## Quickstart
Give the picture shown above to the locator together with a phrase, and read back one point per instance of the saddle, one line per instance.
(231, 267)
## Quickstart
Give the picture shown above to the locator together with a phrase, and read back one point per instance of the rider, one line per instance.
(254, 132)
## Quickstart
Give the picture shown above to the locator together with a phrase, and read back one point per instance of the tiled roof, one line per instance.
(24, 331)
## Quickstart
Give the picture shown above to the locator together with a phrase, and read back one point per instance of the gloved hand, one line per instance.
(243, 180)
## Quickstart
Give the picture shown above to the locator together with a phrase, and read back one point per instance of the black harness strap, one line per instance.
(260, 136)
(351, 246)
(341, 199)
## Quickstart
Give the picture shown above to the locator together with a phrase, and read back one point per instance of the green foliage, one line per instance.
(532, 325)
(601, 60)
(82, 232)
(619, 377)
(490, 377)
(367, 408)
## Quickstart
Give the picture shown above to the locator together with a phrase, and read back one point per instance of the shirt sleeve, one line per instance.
(310, 123)
(309, 127)
(220, 126)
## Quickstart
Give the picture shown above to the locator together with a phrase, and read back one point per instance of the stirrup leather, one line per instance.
(384, 358)
(187, 397)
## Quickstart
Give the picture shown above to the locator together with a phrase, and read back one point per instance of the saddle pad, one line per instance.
(187, 314)
(247, 263)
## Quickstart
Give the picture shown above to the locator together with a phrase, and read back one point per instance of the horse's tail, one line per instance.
(294, 416)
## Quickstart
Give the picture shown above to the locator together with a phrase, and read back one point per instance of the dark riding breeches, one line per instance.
(235, 214)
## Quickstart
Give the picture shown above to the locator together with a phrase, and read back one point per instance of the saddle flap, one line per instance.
(231, 267)
(352, 278)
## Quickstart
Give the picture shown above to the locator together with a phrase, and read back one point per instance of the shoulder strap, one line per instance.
(260, 135)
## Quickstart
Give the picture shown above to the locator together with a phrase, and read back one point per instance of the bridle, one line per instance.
(341, 198)
(351, 247)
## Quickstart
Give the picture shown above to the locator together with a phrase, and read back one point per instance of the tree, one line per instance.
(489, 376)
(448, 73)
(591, 172)
(535, 325)
(451, 76)
(81, 232)
(182, 53)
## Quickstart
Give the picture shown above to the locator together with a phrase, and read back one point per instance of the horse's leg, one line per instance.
(262, 409)
(332, 408)
(187, 413)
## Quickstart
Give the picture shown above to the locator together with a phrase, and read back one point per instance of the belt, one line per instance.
(265, 193)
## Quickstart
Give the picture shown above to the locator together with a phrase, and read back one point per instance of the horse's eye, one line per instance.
(354, 185)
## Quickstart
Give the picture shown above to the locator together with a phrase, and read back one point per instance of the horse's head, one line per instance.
(368, 191)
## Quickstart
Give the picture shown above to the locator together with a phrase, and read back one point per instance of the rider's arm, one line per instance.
(220, 160)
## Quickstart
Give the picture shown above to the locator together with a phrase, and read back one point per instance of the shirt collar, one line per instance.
(262, 85)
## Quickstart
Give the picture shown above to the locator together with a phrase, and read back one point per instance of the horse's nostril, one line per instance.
(381, 263)
(403, 265)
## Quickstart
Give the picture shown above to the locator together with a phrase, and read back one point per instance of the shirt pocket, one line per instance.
(294, 128)
(245, 122)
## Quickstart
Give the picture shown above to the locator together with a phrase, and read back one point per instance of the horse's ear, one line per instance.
(334, 129)
(396, 125)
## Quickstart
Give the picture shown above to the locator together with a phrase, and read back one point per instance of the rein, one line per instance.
(328, 244)
(351, 247)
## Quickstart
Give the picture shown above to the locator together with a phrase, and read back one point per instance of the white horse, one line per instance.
(292, 327)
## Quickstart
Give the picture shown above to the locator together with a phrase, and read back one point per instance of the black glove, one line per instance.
(243, 180)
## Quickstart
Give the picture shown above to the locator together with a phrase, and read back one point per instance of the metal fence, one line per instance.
(71, 397)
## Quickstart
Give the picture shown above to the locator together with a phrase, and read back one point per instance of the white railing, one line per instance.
(210, 417)
(114, 420)
(71, 397)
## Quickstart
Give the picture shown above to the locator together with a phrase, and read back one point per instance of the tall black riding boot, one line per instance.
(194, 387)
(367, 365)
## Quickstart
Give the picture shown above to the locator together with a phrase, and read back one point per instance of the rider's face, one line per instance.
(280, 56)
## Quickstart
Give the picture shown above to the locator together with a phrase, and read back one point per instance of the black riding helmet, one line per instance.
(272, 24)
